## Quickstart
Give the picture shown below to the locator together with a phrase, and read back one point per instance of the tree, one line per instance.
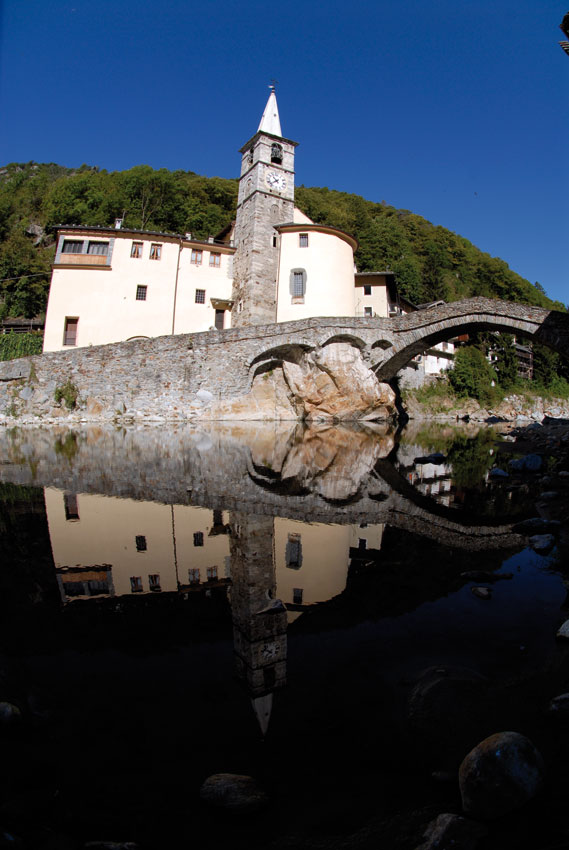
(506, 364)
(472, 375)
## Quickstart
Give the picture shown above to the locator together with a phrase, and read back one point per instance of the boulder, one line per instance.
(559, 707)
(498, 473)
(542, 542)
(563, 631)
(335, 383)
(452, 832)
(233, 792)
(482, 592)
(10, 714)
(501, 774)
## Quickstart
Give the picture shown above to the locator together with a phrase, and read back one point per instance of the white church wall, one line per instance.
(327, 264)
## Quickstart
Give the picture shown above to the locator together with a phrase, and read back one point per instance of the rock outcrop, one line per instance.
(329, 384)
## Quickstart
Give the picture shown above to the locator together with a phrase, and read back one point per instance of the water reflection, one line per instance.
(314, 555)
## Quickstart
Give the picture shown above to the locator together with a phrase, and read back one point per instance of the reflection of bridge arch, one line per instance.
(383, 496)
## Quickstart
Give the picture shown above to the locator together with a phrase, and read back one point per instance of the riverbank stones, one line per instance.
(501, 774)
(233, 792)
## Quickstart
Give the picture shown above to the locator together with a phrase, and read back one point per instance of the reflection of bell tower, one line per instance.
(266, 198)
(259, 620)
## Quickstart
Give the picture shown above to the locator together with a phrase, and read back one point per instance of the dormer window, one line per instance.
(276, 153)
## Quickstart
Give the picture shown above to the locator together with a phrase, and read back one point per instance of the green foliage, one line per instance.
(14, 345)
(506, 364)
(67, 393)
(472, 376)
(68, 446)
(435, 393)
(429, 261)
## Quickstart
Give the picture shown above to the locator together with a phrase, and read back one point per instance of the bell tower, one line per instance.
(266, 199)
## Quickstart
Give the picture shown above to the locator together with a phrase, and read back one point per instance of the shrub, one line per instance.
(68, 393)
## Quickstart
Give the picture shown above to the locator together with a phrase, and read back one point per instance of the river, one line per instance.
(341, 613)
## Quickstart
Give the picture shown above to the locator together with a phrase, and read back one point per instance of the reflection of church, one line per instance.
(273, 568)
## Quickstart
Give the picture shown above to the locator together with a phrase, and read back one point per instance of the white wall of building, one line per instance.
(327, 263)
(104, 297)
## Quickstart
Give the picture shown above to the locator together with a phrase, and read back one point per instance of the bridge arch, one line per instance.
(416, 332)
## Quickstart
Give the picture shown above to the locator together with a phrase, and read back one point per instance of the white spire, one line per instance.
(270, 122)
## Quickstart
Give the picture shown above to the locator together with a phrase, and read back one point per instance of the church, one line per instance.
(273, 264)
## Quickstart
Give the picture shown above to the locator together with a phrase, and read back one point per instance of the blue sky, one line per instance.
(454, 110)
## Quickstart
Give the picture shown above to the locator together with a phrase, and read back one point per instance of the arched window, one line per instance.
(276, 153)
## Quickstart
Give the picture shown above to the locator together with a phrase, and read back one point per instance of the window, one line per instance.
(194, 576)
(215, 260)
(72, 246)
(297, 596)
(276, 153)
(155, 251)
(303, 240)
(368, 311)
(218, 517)
(298, 284)
(362, 543)
(200, 296)
(141, 293)
(293, 552)
(275, 241)
(136, 584)
(154, 582)
(140, 541)
(136, 250)
(367, 289)
(70, 505)
(198, 538)
(70, 331)
(100, 248)
(211, 573)
(196, 257)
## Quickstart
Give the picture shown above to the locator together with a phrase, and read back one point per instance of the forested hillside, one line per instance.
(430, 262)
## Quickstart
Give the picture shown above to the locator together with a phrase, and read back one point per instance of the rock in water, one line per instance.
(563, 631)
(234, 792)
(482, 592)
(499, 775)
(451, 831)
(542, 542)
(9, 714)
(559, 707)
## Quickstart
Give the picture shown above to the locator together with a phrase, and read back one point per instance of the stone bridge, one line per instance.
(162, 377)
(389, 344)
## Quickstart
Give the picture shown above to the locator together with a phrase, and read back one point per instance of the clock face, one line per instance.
(276, 180)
